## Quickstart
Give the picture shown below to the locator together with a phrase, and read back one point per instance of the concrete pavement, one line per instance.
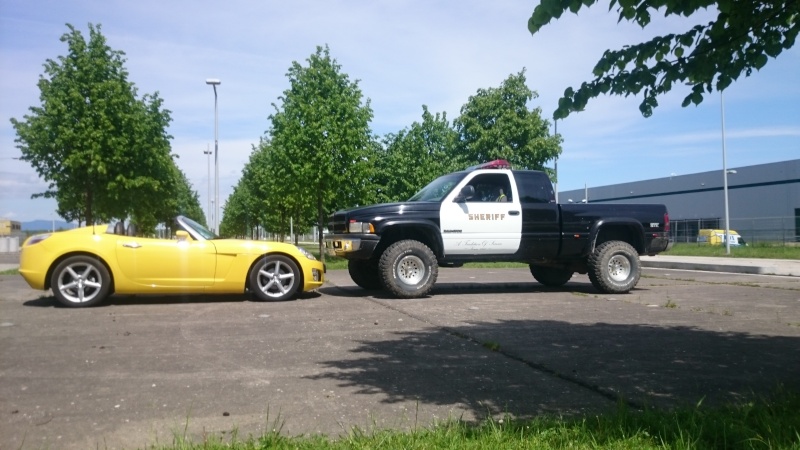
(757, 266)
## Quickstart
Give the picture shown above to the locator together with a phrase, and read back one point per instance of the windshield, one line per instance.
(197, 228)
(438, 189)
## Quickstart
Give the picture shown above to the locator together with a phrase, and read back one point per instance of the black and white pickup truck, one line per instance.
(492, 213)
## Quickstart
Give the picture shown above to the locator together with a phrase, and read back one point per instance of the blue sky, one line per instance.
(405, 54)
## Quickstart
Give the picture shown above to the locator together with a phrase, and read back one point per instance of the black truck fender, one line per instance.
(623, 229)
(419, 230)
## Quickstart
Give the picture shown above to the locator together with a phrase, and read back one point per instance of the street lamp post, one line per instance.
(207, 152)
(214, 82)
(725, 176)
(555, 185)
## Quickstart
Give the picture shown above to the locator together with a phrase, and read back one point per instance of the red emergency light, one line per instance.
(496, 164)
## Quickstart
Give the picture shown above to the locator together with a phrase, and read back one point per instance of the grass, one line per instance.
(771, 422)
(758, 250)
(10, 272)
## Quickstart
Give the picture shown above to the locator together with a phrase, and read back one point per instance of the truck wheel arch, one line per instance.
(616, 229)
(421, 231)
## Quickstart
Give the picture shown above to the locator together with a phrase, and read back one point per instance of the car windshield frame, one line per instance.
(197, 231)
(438, 189)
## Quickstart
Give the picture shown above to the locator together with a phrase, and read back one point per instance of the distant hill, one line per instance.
(46, 225)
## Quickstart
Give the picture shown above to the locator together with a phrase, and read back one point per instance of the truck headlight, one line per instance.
(360, 227)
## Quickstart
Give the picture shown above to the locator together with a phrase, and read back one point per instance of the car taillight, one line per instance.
(666, 222)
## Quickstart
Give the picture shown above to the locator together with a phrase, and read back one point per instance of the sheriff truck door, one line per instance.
(485, 223)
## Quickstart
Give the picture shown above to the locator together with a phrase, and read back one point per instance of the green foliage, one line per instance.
(496, 123)
(743, 37)
(762, 422)
(104, 153)
(425, 151)
(757, 250)
(322, 137)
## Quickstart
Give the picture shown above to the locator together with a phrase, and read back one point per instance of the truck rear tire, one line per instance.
(365, 274)
(550, 276)
(614, 267)
(408, 269)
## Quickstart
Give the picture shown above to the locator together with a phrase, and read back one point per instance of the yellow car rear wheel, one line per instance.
(80, 281)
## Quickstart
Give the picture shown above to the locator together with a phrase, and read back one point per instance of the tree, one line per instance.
(745, 34)
(426, 150)
(105, 153)
(322, 131)
(496, 123)
(240, 214)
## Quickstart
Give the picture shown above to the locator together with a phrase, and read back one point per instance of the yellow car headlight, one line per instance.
(35, 239)
(306, 253)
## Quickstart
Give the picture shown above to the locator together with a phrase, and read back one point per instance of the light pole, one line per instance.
(725, 176)
(555, 132)
(214, 82)
(207, 152)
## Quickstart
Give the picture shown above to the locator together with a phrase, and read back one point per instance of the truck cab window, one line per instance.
(535, 188)
(491, 188)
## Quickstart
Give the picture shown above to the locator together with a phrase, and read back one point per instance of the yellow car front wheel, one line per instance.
(275, 278)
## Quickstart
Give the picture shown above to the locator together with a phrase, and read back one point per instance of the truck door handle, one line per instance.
(513, 213)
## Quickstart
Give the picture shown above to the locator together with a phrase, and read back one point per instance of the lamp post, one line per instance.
(725, 176)
(555, 133)
(214, 82)
(207, 152)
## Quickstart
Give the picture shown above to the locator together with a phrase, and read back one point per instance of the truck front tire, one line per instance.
(365, 274)
(408, 269)
(614, 267)
(550, 276)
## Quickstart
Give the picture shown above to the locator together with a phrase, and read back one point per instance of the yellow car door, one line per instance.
(180, 264)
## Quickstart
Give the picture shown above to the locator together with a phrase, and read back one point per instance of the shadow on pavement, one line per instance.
(660, 366)
(122, 300)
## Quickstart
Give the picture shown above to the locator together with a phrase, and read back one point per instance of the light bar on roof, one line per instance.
(496, 164)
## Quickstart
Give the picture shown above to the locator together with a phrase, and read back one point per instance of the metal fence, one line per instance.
(785, 230)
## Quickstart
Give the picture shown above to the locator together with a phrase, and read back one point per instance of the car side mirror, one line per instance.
(182, 236)
(467, 192)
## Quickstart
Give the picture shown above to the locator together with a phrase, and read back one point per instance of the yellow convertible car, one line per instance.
(85, 265)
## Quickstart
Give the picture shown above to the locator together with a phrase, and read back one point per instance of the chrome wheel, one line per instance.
(619, 268)
(410, 270)
(275, 278)
(80, 281)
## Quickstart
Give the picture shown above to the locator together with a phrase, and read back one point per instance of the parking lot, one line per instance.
(137, 370)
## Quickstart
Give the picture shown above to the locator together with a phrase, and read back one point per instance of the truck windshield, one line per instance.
(438, 189)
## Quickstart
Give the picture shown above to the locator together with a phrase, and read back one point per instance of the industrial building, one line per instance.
(763, 200)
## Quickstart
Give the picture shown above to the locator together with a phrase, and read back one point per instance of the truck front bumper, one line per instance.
(351, 246)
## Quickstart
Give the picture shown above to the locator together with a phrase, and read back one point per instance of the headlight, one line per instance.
(35, 239)
(306, 253)
(360, 227)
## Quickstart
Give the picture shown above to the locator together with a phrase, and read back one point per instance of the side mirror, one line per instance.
(182, 236)
(467, 192)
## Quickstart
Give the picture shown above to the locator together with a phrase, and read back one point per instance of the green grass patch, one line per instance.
(10, 272)
(758, 250)
(762, 423)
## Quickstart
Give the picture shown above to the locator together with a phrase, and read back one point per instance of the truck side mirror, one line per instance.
(467, 192)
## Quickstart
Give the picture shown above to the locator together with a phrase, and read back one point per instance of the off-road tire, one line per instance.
(614, 267)
(408, 269)
(80, 281)
(365, 273)
(550, 276)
